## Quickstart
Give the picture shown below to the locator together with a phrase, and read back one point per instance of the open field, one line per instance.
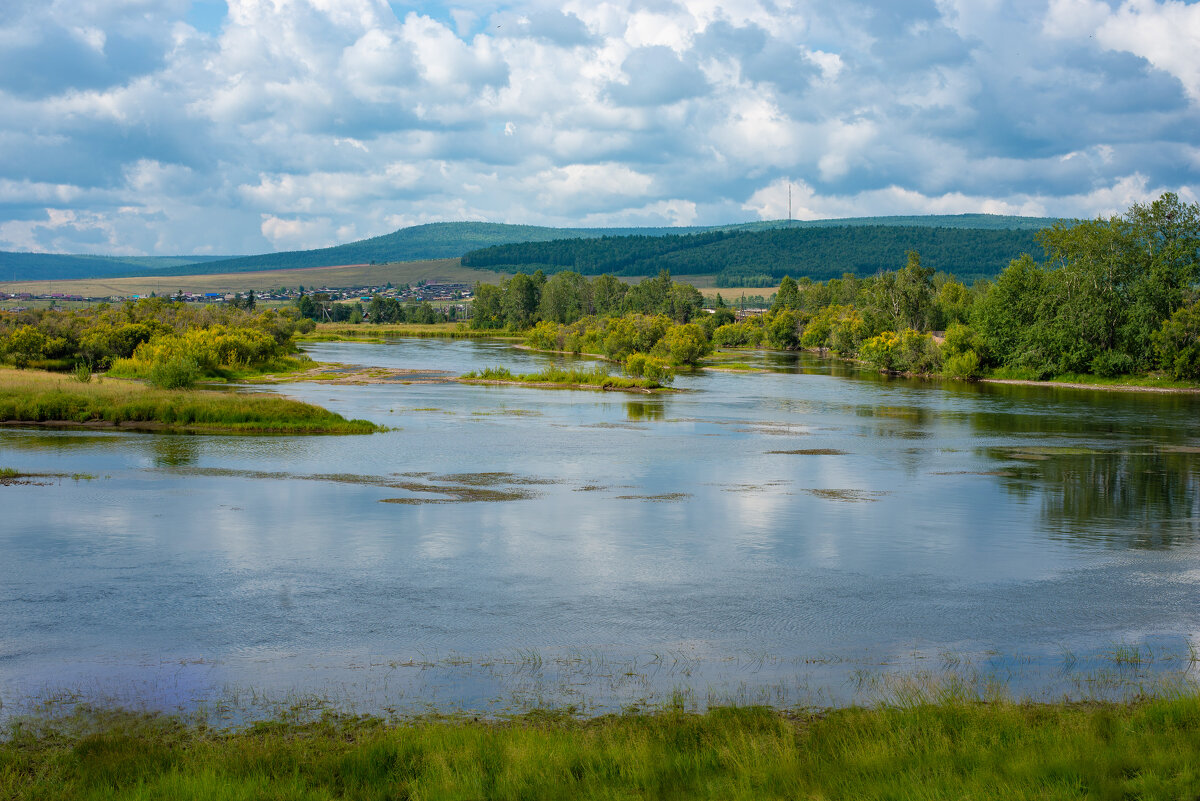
(945, 749)
(35, 398)
(407, 272)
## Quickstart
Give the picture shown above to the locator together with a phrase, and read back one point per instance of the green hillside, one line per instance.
(420, 242)
(762, 257)
(56, 266)
(448, 240)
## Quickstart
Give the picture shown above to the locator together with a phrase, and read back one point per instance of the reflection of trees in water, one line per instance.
(172, 450)
(645, 410)
(1130, 500)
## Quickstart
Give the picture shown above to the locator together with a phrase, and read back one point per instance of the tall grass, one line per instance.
(946, 750)
(597, 377)
(33, 397)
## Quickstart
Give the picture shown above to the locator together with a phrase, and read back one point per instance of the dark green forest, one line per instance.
(761, 258)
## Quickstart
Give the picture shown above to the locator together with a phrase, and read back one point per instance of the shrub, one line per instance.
(686, 344)
(174, 372)
(641, 365)
(964, 365)
(544, 336)
(783, 330)
(737, 335)
(1112, 363)
(905, 351)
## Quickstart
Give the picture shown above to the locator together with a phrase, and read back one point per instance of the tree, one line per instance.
(306, 307)
(914, 287)
(783, 330)
(1116, 281)
(520, 301)
(1007, 317)
(952, 304)
(486, 310)
(684, 301)
(788, 296)
(1177, 344)
(25, 345)
(608, 294)
(565, 298)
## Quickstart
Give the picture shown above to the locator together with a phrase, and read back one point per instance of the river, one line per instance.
(814, 534)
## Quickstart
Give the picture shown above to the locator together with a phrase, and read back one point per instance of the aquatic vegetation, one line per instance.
(813, 452)
(663, 497)
(456, 488)
(848, 495)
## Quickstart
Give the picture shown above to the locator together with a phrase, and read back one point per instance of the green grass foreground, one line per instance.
(947, 750)
(597, 378)
(48, 399)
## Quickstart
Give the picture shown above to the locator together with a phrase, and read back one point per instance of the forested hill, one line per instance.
(450, 240)
(761, 258)
(56, 266)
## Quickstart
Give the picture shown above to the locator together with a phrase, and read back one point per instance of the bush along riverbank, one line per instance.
(949, 749)
(170, 344)
(35, 398)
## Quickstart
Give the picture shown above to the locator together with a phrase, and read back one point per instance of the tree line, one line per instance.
(1111, 296)
(761, 258)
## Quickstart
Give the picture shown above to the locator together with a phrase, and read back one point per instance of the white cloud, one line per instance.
(304, 122)
(1165, 34)
(296, 234)
(770, 202)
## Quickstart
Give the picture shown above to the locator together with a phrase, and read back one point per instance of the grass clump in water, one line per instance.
(597, 377)
(948, 749)
(48, 399)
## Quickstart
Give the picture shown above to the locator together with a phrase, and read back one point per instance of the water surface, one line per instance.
(781, 537)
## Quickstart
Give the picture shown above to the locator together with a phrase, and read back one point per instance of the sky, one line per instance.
(163, 127)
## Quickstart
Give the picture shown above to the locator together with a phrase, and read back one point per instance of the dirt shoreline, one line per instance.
(1101, 387)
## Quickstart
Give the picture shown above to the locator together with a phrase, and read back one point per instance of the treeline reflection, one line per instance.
(1141, 500)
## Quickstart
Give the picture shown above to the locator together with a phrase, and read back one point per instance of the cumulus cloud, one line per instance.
(181, 126)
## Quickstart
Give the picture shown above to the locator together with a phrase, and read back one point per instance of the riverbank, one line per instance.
(326, 332)
(1102, 385)
(946, 749)
(47, 400)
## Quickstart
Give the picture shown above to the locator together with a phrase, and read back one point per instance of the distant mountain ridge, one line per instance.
(442, 240)
(15, 266)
